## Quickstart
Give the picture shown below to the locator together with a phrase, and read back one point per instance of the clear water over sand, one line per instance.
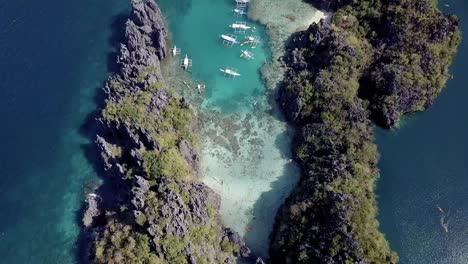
(245, 146)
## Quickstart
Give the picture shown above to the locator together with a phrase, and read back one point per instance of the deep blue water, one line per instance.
(53, 60)
(424, 165)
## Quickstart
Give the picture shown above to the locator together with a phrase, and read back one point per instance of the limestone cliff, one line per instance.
(377, 60)
(151, 207)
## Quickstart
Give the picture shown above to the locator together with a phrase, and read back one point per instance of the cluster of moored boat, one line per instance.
(230, 40)
(240, 27)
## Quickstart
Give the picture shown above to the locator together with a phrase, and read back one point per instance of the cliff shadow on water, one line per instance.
(268, 203)
(89, 129)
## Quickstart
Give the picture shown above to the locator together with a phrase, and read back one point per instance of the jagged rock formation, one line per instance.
(366, 64)
(413, 50)
(156, 211)
(329, 5)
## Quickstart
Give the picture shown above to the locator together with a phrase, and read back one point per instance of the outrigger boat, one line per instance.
(247, 55)
(200, 87)
(229, 40)
(240, 27)
(241, 3)
(230, 72)
(252, 40)
(175, 51)
(186, 63)
(239, 11)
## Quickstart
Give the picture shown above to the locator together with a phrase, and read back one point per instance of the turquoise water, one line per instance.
(245, 146)
(196, 27)
(424, 166)
(53, 60)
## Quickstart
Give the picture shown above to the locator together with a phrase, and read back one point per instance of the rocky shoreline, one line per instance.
(376, 61)
(151, 207)
(340, 77)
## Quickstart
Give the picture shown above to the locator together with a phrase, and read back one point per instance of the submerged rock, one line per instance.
(93, 210)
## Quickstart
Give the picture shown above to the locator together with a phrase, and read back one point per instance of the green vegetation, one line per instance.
(120, 244)
(229, 247)
(158, 213)
(167, 163)
(413, 45)
(175, 249)
(367, 60)
(167, 124)
(137, 109)
(200, 235)
(150, 125)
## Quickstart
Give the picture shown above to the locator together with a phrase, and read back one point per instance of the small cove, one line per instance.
(245, 143)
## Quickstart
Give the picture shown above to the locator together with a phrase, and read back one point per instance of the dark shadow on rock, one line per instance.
(117, 37)
(89, 129)
(266, 207)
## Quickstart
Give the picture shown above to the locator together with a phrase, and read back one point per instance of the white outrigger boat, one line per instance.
(186, 63)
(252, 40)
(200, 88)
(239, 27)
(175, 51)
(247, 55)
(230, 72)
(229, 40)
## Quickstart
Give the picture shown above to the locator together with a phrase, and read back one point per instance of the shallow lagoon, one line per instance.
(245, 143)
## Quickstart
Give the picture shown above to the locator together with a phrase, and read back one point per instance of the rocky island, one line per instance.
(151, 208)
(375, 61)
